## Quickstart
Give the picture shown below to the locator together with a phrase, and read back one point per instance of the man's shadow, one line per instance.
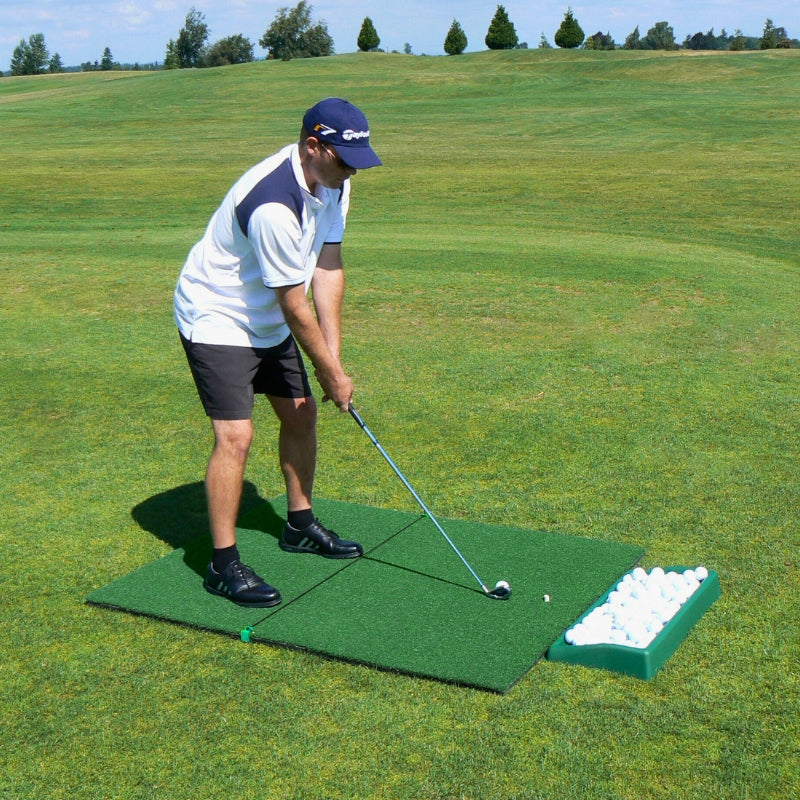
(179, 517)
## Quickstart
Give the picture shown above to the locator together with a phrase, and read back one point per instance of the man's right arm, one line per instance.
(303, 324)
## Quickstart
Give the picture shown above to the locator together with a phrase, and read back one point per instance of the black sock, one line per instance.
(300, 519)
(224, 556)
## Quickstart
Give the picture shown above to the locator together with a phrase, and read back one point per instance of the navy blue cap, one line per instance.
(339, 123)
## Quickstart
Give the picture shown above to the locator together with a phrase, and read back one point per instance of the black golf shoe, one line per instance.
(315, 538)
(241, 585)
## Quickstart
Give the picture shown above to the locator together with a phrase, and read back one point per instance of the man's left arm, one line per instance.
(327, 288)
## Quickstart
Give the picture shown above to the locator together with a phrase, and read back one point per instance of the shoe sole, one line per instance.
(242, 603)
(293, 548)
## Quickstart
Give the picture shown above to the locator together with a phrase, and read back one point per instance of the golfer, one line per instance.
(242, 308)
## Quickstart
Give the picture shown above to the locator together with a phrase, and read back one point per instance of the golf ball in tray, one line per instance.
(638, 608)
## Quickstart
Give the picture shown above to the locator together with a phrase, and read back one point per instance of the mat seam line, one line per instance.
(352, 563)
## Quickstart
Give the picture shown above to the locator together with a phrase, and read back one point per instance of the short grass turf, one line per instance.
(409, 605)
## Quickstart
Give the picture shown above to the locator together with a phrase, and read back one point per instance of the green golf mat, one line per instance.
(408, 605)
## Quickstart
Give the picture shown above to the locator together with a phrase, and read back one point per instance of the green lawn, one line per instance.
(572, 306)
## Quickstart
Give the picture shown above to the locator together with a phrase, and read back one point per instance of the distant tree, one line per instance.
(769, 38)
(407, 49)
(633, 41)
(660, 37)
(107, 61)
(171, 58)
(544, 44)
(368, 38)
(236, 49)
(56, 64)
(17, 65)
(701, 41)
(31, 57)
(738, 41)
(570, 34)
(723, 41)
(192, 38)
(600, 41)
(292, 35)
(501, 34)
(455, 42)
(773, 37)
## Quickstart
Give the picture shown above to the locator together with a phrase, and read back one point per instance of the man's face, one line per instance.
(328, 168)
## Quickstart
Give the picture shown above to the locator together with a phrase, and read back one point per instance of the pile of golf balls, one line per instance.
(638, 608)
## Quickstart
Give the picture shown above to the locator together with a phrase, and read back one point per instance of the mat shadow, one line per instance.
(179, 517)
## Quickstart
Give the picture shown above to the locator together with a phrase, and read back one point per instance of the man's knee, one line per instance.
(234, 437)
(296, 414)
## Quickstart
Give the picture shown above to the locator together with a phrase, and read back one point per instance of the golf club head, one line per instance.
(501, 591)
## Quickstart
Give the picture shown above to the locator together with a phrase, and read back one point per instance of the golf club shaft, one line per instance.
(410, 488)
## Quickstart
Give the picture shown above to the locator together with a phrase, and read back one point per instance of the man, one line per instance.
(242, 309)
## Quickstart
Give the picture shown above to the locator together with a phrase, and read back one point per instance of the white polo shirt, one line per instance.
(267, 233)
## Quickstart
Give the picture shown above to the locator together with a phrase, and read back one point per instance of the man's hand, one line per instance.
(339, 390)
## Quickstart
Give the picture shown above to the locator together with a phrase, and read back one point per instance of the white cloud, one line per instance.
(132, 14)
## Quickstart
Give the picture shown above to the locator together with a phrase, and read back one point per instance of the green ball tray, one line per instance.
(641, 662)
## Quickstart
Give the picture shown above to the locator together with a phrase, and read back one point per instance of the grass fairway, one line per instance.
(572, 306)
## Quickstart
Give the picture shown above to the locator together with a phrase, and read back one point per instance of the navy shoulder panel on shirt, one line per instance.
(280, 186)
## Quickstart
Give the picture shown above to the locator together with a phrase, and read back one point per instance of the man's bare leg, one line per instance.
(298, 453)
(225, 477)
(297, 448)
(227, 576)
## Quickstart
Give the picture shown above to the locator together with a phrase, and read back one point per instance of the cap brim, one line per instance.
(358, 157)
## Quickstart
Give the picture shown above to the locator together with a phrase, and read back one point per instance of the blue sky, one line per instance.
(138, 30)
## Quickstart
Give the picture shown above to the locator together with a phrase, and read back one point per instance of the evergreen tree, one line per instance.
(600, 41)
(456, 41)
(292, 35)
(368, 38)
(544, 44)
(738, 41)
(773, 37)
(660, 37)
(171, 58)
(501, 34)
(56, 64)
(107, 62)
(701, 41)
(633, 41)
(570, 34)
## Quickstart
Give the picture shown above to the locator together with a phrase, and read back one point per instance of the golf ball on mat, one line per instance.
(637, 609)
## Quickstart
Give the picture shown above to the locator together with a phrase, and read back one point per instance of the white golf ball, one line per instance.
(546, 598)
(701, 573)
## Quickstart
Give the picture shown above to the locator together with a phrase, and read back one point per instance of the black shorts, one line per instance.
(228, 377)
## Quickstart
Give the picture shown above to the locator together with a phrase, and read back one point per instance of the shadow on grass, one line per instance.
(179, 517)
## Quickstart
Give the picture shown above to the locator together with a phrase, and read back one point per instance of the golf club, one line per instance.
(501, 590)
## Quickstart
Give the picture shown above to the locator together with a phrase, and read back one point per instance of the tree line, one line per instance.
(294, 34)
